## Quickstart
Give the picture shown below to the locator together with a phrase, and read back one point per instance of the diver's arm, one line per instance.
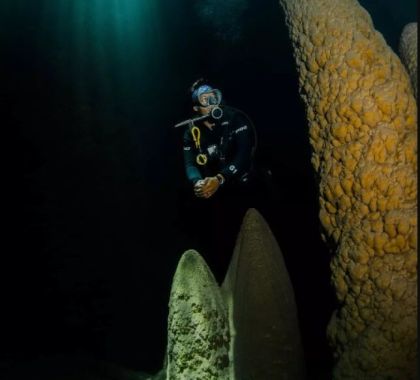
(191, 170)
(203, 188)
(243, 138)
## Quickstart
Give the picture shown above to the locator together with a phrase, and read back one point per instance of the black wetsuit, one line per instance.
(229, 147)
(213, 223)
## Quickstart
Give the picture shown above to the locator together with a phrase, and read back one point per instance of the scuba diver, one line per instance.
(219, 145)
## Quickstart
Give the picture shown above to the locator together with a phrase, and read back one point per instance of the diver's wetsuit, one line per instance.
(215, 222)
(228, 146)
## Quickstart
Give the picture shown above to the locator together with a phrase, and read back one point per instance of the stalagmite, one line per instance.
(198, 328)
(266, 341)
(363, 130)
(246, 330)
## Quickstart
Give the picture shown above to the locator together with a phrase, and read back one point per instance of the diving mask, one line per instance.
(206, 96)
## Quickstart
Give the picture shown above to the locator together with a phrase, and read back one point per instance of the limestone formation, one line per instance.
(408, 52)
(363, 128)
(363, 131)
(198, 328)
(246, 330)
(266, 341)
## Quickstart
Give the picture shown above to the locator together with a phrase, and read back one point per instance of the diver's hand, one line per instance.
(206, 187)
(198, 188)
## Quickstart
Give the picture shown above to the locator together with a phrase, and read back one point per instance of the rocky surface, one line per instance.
(362, 120)
(408, 52)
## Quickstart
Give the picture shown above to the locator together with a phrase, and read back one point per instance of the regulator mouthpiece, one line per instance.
(216, 113)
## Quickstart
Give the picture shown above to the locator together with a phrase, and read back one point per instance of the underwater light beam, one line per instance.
(105, 48)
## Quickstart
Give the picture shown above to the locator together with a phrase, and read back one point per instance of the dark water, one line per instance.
(92, 90)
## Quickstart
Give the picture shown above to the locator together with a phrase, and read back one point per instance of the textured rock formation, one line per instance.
(198, 328)
(408, 52)
(261, 340)
(266, 341)
(362, 125)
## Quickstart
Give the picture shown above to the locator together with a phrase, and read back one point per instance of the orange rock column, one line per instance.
(363, 131)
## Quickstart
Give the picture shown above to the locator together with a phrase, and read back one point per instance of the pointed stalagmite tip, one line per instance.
(252, 214)
(254, 221)
(192, 271)
(190, 258)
